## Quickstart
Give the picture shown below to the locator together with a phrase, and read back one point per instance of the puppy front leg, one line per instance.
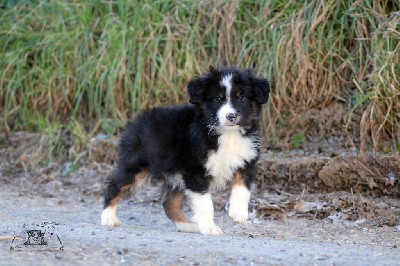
(203, 209)
(239, 200)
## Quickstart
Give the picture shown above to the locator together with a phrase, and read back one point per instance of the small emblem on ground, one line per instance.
(37, 237)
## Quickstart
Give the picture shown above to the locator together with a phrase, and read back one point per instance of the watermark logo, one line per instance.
(37, 237)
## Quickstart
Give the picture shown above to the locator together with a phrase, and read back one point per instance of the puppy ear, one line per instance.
(261, 89)
(249, 71)
(213, 70)
(196, 88)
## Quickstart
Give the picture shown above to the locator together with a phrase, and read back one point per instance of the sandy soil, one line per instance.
(302, 223)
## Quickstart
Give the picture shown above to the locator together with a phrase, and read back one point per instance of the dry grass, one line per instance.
(84, 67)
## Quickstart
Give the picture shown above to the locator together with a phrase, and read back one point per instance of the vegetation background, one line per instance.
(73, 69)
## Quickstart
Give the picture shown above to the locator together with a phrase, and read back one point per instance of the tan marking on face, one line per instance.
(237, 94)
(173, 207)
(139, 177)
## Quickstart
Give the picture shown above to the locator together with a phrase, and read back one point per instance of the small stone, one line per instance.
(228, 259)
(335, 216)
(257, 221)
(68, 168)
(360, 221)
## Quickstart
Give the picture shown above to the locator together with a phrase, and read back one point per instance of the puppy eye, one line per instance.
(218, 98)
(241, 97)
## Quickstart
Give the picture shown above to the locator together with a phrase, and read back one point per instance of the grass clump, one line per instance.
(89, 66)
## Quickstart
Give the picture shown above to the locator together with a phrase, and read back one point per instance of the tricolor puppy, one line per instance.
(206, 145)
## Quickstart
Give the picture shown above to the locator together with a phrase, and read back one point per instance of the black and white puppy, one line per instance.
(195, 148)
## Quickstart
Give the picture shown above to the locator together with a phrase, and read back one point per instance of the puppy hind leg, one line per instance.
(121, 182)
(173, 205)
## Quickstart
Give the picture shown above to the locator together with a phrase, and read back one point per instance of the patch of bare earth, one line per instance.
(343, 187)
(297, 195)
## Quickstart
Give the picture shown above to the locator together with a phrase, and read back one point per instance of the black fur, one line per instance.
(177, 139)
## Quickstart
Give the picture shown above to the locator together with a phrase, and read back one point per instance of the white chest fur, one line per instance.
(233, 150)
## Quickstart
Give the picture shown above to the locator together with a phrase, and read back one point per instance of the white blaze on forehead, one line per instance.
(227, 83)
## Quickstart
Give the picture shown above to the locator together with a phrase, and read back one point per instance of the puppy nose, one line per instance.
(231, 117)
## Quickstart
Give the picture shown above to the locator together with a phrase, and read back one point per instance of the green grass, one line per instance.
(88, 66)
(297, 140)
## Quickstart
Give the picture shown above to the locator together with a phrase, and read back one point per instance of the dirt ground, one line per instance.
(305, 209)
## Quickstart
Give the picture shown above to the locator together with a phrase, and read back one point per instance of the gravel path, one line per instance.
(147, 237)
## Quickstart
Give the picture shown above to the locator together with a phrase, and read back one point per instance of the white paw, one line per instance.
(239, 213)
(187, 227)
(109, 217)
(210, 229)
(239, 204)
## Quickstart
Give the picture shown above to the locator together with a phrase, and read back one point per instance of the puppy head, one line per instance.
(229, 98)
